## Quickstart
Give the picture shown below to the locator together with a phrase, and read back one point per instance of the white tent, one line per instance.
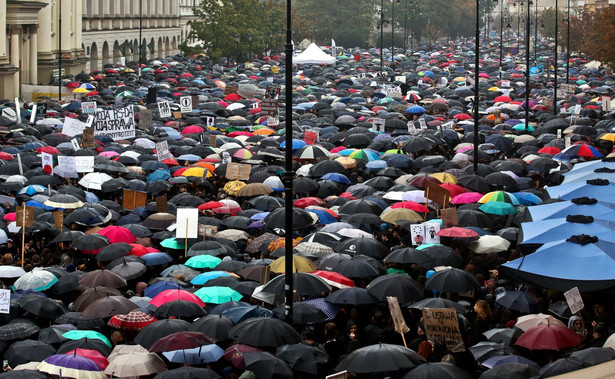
(313, 54)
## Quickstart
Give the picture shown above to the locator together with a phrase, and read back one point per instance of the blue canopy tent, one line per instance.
(565, 208)
(556, 229)
(598, 190)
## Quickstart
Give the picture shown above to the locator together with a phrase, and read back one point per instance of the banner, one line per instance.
(30, 93)
(118, 124)
(442, 325)
(187, 223)
(72, 127)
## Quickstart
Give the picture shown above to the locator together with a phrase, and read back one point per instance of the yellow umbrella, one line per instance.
(194, 171)
(80, 90)
(608, 137)
(233, 187)
(460, 79)
(493, 89)
(300, 264)
(444, 177)
(399, 214)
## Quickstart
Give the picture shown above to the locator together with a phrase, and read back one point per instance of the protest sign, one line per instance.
(273, 121)
(238, 171)
(87, 138)
(449, 217)
(398, 318)
(164, 108)
(162, 150)
(423, 123)
(187, 223)
(441, 325)
(411, 127)
(246, 90)
(33, 114)
(133, 199)
(208, 230)
(75, 144)
(84, 164)
(162, 205)
(177, 114)
(47, 162)
(41, 109)
(230, 89)
(72, 127)
(310, 137)
(431, 230)
(145, 119)
(378, 124)
(117, 124)
(574, 300)
(417, 234)
(58, 219)
(437, 194)
(606, 103)
(211, 121)
(269, 107)
(5, 301)
(67, 167)
(88, 107)
(25, 216)
(185, 104)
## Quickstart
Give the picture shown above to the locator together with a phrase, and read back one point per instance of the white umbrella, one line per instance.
(354, 233)
(135, 364)
(11, 271)
(232, 234)
(3, 237)
(304, 170)
(94, 180)
(50, 121)
(529, 321)
(36, 280)
(489, 244)
(16, 179)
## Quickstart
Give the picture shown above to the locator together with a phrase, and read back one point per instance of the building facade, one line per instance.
(86, 34)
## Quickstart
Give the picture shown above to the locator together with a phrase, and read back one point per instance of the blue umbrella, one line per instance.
(398, 160)
(201, 279)
(415, 109)
(598, 190)
(170, 269)
(91, 198)
(189, 157)
(128, 219)
(238, 314)
(160, 286)
(195, 356)
(376, 165)
(158, 175)
(564, 264)
(559, 229)
(334, 176)
(527, 198)
(32, 189)
(153, 259)
(34, 203)
(324, 217)
(330, 309)
(297, 144)
(172, 133)
(259, 216)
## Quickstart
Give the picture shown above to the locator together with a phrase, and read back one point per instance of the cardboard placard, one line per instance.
(25, 215)
(574, 300)
(238, 171)
(431, 230)
(449, 217)
(269, 107)
(400, 78)
(58, 219)
(118, 124)
(87, 138)
(88, 107)
(133, 199)
(230, 89)
(310, 137)
(5, 301)
(162, 205)
(442, 325)
(145, 119)
(207, 230)
(437, 194)
(378, 124)
(187, 223)
(212, 140)
(185, 104)
(398, 318)
(67, 167)
(72, 127)
(162, 151)
(164, 108)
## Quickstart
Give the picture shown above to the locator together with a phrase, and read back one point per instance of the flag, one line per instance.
(122, 48)
(150, 46)
(333, 48)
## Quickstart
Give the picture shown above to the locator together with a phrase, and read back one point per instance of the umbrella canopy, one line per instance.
(380, 358)
(74, 366)
(549, 337)
(264, 332)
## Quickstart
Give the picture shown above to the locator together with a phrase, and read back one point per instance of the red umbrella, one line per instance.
(134, 320)
(48, 150)
(306, 202)
(210, 205)
(334, 279)
(457, 232)
(234, 354)
(170, 295)
(454, 189)
(72, 85)
(5, 156)
(181, 340)
(187, 75)
(462, 116)
(192, 129)
(549, 337)
(170, 162)
(117, 234)
(180, 171)
(10, 216)
(411, 205)
(232, 97)
(92, 355)
(138, 250)
(550, 150)
(502, 99)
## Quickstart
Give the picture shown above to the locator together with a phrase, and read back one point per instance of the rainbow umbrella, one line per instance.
(502, 196)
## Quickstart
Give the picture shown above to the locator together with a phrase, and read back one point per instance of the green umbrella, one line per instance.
(498, 208)
(172, 243)
(521, 127)
(218, 295)
(203, 261)
(79, 334)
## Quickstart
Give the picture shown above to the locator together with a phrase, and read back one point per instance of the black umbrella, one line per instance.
(594, 355)
(304, 284)
(325, 167)
(510, 370)
(113, 251)
(304, 185)
(216, 326)
(403, 287)
(188, 373)
(22, 352)
(68, 236)
(474, 183)
(85, 343)
(366, 246)
(438, 370)
(267, 366)
(104, 278)
(264, 332)
(360, 206)
(138, 231)
(518, 301)
(438, 302)
(277, 219)
(561, 366)
(473, 218)
(92, 294)
(267, 203)
(90, 242)
(484, 350)
(42, 306)
(452, 280)
(66, 283)
(352, 296)
(80, 321)
(380, 358)
(302, 357)
(303, 313)
(129, 269)
(507, 336)
(355, 268)
(158, 329)
(179, 309)
(53, 334)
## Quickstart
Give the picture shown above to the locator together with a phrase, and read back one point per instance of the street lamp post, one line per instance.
(501, 40)
(405, 26)
(555, 61)
(237, 49)
(140, 36)
(250, 47)
(381, 38)
(527, 66)
(536, 33)
(568, 45)
(59, 50)
(393, 29)
(476, 86)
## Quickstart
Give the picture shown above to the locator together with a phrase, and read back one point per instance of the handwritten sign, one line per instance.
(442, 325)
(5, 301)
(238, 171)
(58, 219)
(88, 107)
(66, 167)
(449, 217)
(72, 127)
(118, 124)
(84, 164)
(398, 318)
(145, 119)
(378, 124)
(87, 138)
(423, 123)
(25, 216)
(162, 150)
(574, 300)
(207, 230)
(47, 162)
(164, 108)
(269, 107)
(411, 127)
(162, 206)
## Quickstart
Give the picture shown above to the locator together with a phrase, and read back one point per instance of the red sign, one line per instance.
(310, 137)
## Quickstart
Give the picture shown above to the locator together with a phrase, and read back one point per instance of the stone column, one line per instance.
(3, 57)
(15, 33)
(34, 54)
(45, 45)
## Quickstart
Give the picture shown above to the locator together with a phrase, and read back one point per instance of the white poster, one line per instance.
(75, 144)
(431, 230)
(378, 124)
(66, 167)
(187, 225)
(417, 233)
(88, 107)
(411, 127)
(72, 127)
(164, 108)
(118, 124)
(211, 121)
(5, 301)
(574, 300)
(185, 104)
(84, 164)
(47, 162)
(162, 151)
(423, 123)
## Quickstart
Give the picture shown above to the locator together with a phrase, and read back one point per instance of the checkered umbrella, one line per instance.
(331, 310)
(134, 320)
(314, 248)
(18, 328)
(79, 320)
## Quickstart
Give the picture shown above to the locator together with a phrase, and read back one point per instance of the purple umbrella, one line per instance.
(71, 366)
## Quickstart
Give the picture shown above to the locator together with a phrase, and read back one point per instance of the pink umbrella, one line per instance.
(109, 154)
(466, 198)
(192, 129)
(118, 234)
